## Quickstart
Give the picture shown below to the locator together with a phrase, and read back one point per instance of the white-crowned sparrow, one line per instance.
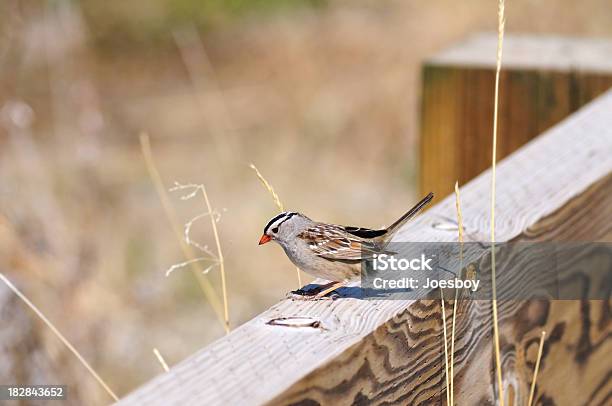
(331, 251)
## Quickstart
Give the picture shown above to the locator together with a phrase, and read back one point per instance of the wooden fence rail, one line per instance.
(352, 351)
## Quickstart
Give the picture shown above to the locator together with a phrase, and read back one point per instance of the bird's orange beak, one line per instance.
(264, 239)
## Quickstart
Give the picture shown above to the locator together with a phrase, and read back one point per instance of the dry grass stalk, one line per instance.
(203, 77)
(500, 41)
(221, 262)
(206, 286)
(161, 360)
(448, 401)
(459, 216)
(280, 206)
(452, 351)
(268, 187)
(189, 262)
(218, 258)
(59, 335)
(537, 367)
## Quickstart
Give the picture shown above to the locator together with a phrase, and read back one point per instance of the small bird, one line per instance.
(330, 251)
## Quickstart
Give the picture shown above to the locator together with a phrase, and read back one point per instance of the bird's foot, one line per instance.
(327, 296)
(313, 296)
(305, 292)
(322, 292)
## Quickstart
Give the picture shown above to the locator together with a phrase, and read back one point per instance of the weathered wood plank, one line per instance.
(401, 361)
(543, 80)
(558, 186)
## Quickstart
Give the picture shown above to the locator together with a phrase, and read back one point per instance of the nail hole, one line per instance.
(445, 226)
(295, 322)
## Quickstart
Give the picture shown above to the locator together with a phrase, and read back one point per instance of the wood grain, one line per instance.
(402, 361)
(543, 80)
(558, 186)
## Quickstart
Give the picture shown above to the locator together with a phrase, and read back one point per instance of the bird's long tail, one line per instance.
(393, 228)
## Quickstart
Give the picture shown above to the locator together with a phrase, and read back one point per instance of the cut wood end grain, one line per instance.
(530, 51)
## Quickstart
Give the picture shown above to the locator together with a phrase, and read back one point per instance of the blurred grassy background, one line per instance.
(321, 95)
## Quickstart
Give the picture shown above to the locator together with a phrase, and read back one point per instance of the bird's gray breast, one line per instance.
(298, 255)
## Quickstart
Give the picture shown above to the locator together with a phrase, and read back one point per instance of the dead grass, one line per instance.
(217, 259)
(500, 42)
(161, 360)
(536, 369)
(446, 368)
(455, 304)
(278, 204)
(59, 335)
(207, 288)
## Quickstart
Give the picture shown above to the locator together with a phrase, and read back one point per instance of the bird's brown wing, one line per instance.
(334, 243)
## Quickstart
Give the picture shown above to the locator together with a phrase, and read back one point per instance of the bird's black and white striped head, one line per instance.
(284, 226)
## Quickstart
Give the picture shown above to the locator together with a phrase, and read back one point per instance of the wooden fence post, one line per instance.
(543, 80)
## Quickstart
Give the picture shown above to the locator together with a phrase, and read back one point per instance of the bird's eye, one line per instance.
(275, 230)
